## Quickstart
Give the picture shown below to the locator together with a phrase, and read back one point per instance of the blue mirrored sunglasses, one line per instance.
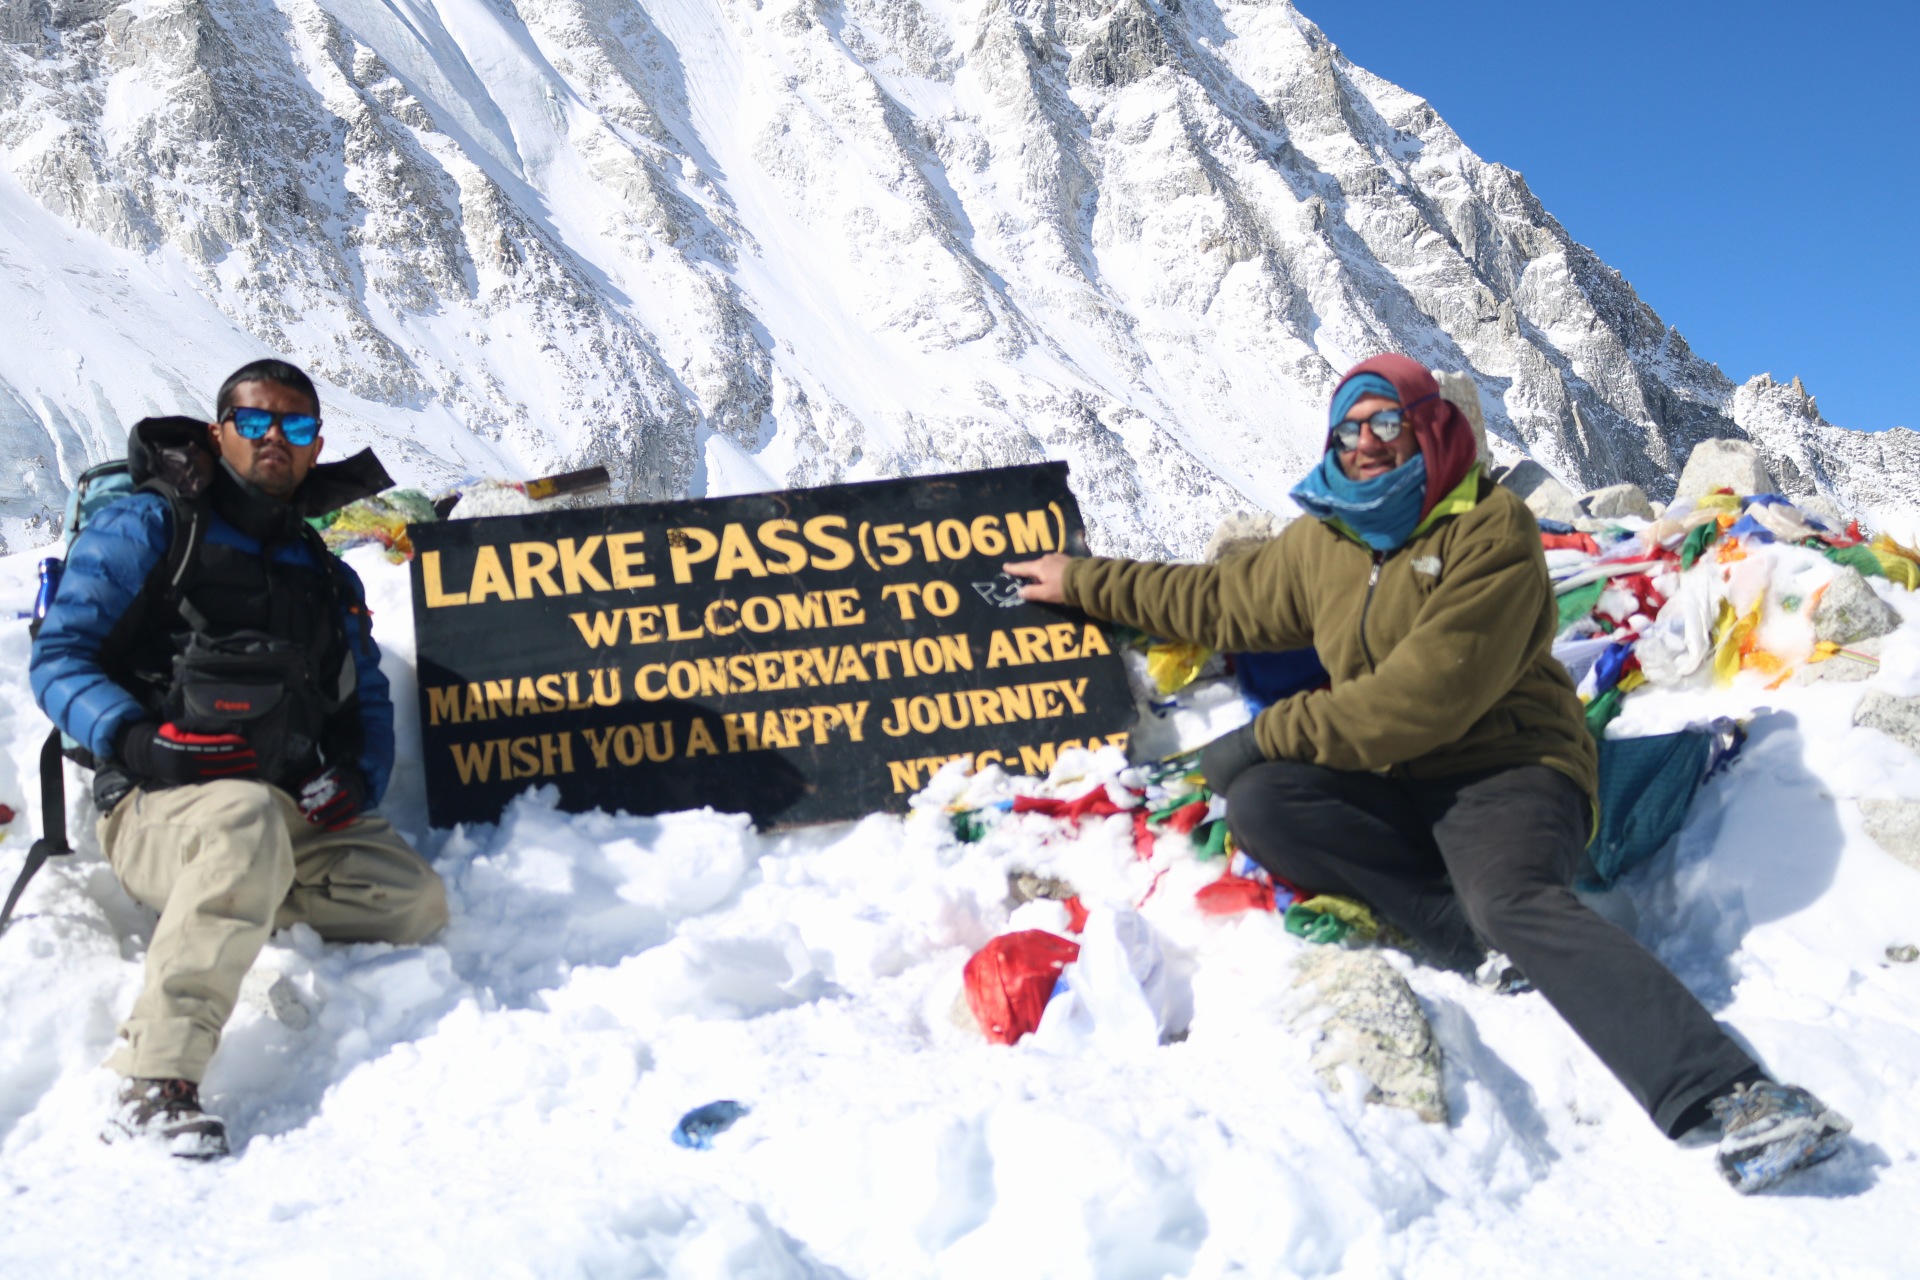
(1385, 424)
(298, 428)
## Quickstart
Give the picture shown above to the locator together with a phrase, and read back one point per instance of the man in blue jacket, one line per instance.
(242, 732)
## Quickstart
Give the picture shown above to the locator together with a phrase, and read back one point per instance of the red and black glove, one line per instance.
(333, 797)
(169, 756)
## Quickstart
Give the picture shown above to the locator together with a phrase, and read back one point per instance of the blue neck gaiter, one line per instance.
(1382, 511)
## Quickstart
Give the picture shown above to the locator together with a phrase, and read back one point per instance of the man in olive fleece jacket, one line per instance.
(1446, 776)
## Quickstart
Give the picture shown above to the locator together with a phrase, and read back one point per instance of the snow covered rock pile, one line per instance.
(1367, 1017)
(1730, 584)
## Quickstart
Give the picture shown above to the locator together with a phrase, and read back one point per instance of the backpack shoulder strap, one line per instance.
(163, 583)
(53, 824)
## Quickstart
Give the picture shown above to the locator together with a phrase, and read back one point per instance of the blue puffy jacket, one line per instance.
(105, 570)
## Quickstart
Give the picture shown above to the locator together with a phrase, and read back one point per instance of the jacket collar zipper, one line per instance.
(1373, 580)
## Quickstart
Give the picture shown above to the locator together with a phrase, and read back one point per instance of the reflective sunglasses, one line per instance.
(1385, 424)
(298, 428)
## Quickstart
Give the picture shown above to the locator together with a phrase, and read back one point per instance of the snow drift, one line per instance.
(500, 1102)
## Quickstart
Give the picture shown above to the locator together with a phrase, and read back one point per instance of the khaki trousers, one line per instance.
(225, 863)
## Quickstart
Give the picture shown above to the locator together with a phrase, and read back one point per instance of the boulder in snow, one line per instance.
(1242, 531)
(1897, 717)
(1546, 497)
(1618, 500)
(1523, 477)
(1463, 391)
(1895, 827)
(1859, 661)
(1375, 1025)
(1850, 612)
(1724, 464)
(1823, 509)
(1552, 500)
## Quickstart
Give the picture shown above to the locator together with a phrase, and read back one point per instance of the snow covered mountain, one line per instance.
(723, 245)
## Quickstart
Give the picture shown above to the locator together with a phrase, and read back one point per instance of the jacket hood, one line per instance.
(178, 451)
(1445, 435)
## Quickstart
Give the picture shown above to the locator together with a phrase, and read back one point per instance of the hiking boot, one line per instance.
(1769, 1130)
(168, 1111)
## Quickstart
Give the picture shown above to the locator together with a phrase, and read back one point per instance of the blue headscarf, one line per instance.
(1353, 391)
(1382, 511)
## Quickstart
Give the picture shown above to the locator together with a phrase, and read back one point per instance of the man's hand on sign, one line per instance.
(1046, 578)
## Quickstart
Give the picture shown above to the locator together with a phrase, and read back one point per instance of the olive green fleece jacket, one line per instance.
(1440, 652)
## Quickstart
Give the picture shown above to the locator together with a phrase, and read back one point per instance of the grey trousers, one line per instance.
(1487, 861)
(225, 863)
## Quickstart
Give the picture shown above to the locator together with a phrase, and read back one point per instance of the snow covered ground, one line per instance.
(499, 1103)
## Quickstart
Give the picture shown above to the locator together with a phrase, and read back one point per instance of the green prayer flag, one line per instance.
(1578, 603)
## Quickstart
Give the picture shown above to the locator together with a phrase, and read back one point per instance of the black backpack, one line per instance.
(173, 458)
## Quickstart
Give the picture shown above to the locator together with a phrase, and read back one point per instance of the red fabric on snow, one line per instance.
(1095, 804)
(1142, 837)
(1569, 542)
(1231, 894)
(1183, 820)
(1010, 980)
(1647, 599)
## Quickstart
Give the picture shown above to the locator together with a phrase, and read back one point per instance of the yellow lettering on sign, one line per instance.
(985, 704)
(737, 553)
(473, 760)
(716, 616)
(598, 741)
(443, 703)
(1031, 531)
(843, 605)
(576, 566)
(597, 628)
(1039, 759)
(1033, 644)
(489, 579)
(803, 612)
(688, 547)
(437, 596)
(743, 731)
(778, 536)
(838, 551)
(643, 624)
(533, 565)
(1000, 651)
(623, 559)
(1065, 643)
(677, 632)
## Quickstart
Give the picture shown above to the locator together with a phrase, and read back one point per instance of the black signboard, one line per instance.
(805, 656)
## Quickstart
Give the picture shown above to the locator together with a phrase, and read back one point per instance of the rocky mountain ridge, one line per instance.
(722, 245)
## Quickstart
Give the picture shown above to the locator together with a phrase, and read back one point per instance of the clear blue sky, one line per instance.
(1753, 168)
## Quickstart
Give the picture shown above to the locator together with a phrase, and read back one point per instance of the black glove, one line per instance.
(1228, 756)
(169, 756)
(333, 797)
